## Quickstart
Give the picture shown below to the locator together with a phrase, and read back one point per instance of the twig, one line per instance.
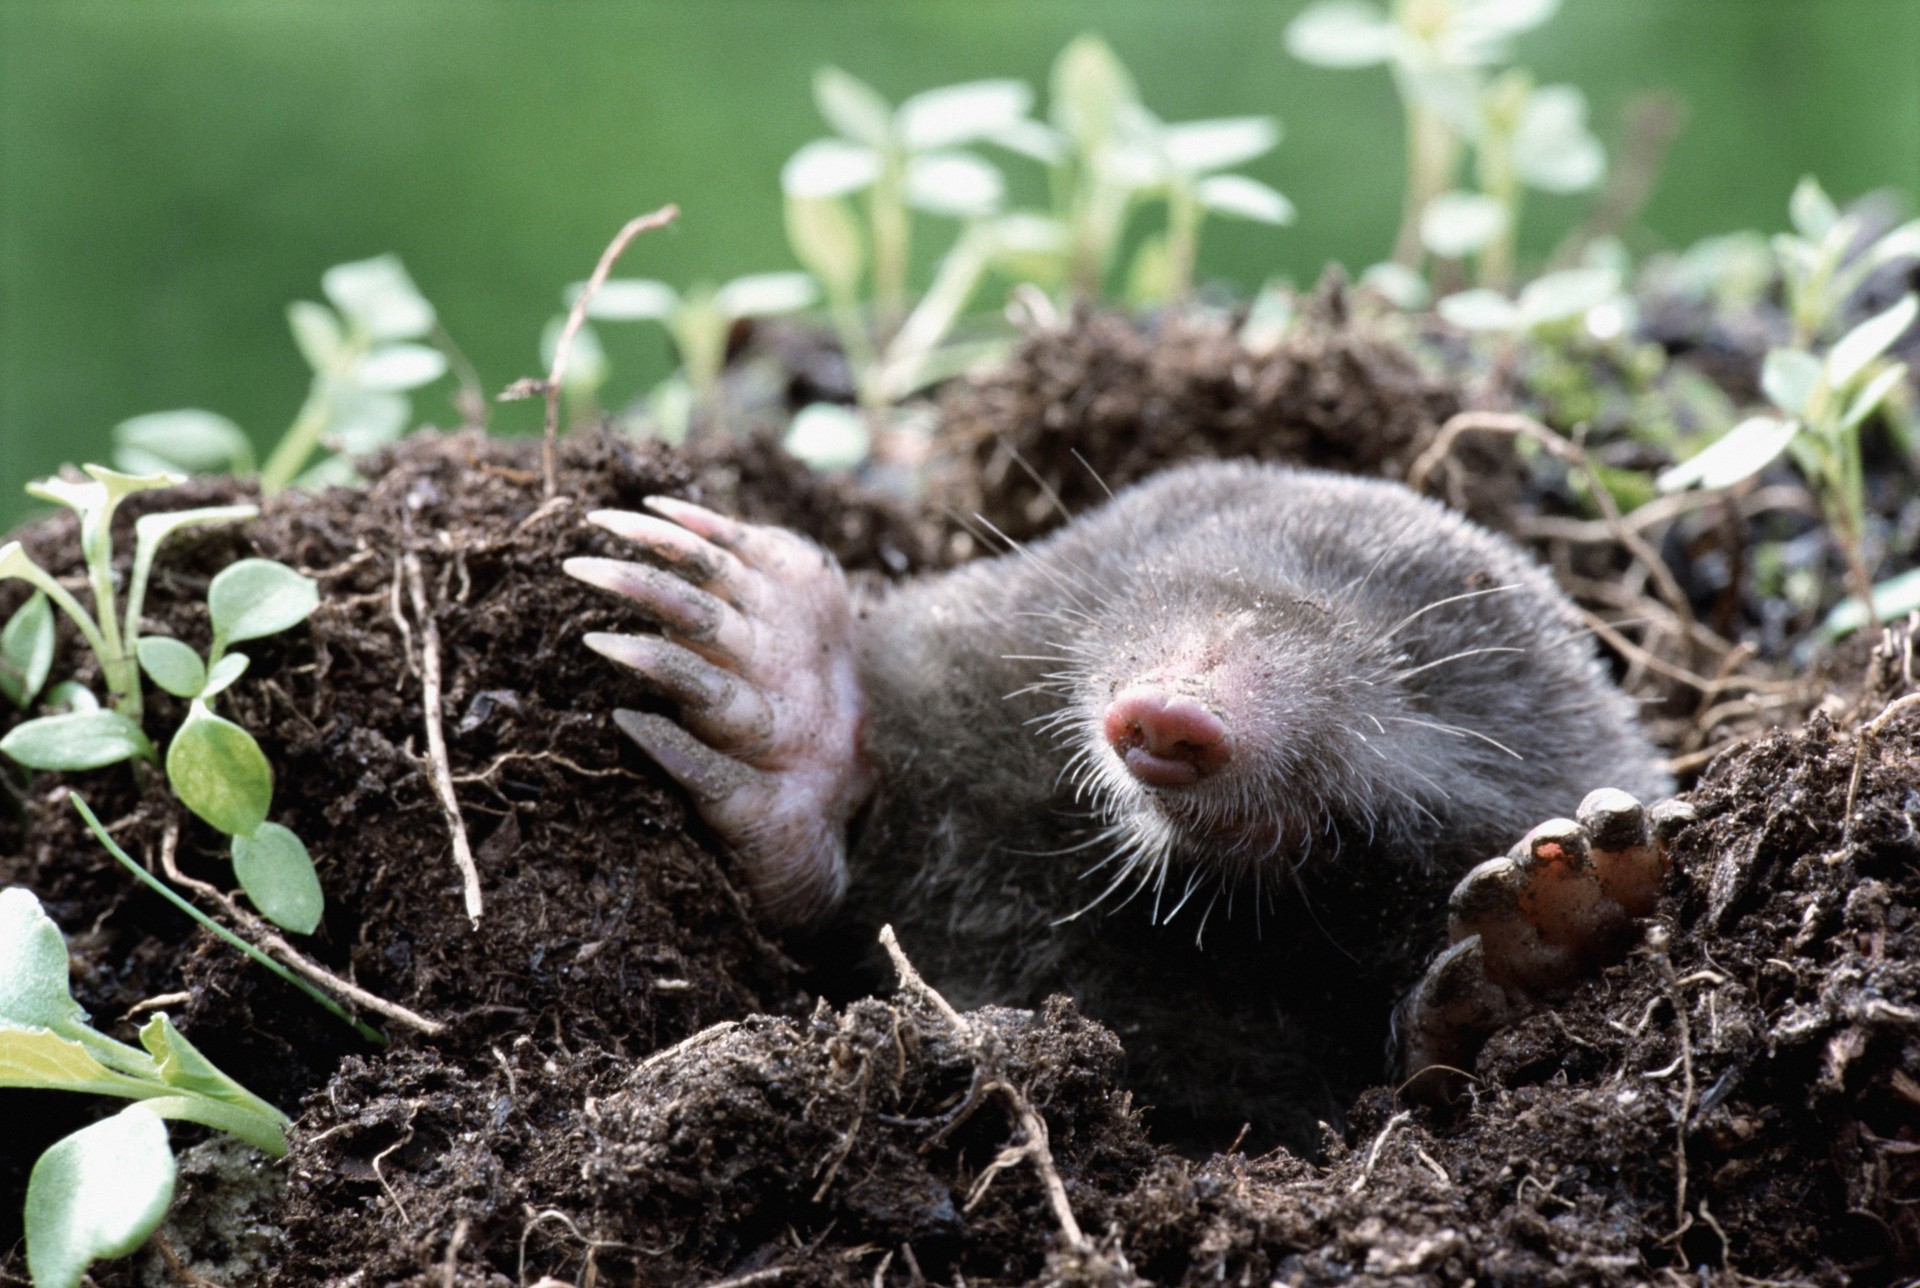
(271, 943)
(576, 317)
(442, 773)
(1373, 1151)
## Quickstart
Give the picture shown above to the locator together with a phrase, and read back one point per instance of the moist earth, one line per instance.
(634, 1083)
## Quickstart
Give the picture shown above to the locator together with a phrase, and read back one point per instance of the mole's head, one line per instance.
(1231, 730)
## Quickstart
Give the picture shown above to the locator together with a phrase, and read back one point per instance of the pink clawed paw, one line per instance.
(756, 650)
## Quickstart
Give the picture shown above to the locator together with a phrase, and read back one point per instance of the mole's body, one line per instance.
(1208, 759)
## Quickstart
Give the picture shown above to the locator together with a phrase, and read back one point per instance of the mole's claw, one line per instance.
(1562, 903)
(707, 622)
(684, 552)
(717, 705)
(713, 777)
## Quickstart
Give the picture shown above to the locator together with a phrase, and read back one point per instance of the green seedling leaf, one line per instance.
(1788, 377)
(1479, 310)
(98, 1193)
(1399, 284)
(1244, 198)
(26, 650)
(1566, 294)
(828, 436)
(181, 1066)
(1270, 317)
(360, 420)
(826, 240)
(317, 334)
(396, 367)
(1032, 139)
(82, 740)
(189, 440)
(71, 695)
(952, 114)
(1087, 87)
(1741, 452)
(954, 183)
(1201, 147)
(1812, 210)
(1892, 598)
(173, 666)
(42, 1059)
(628, 299)
(587, 365)
(1342, 33)
(1853, 351)
(1868, 399)
(829, 168)
(275, 870)
(257, 597)
(1460, 223)
(33, 966)
(1552, 148)
(766, 294)
(219, 772)
(852, 107)
(222, 674)
(379, 298)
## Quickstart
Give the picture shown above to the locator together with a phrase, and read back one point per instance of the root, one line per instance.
(441, 771)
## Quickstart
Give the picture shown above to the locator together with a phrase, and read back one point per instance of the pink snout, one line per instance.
(1166, 739)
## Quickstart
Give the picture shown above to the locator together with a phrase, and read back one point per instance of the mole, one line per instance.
(1209, 759)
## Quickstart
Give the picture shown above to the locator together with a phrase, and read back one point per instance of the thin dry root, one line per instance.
(441, 771)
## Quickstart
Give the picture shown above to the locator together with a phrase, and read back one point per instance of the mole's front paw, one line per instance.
(1564, 902)
(757, 649)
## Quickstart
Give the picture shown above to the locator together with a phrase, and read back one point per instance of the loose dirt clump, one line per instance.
(627, 1081)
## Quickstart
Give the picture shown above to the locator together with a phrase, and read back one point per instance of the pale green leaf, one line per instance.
(826, 239)
(1460, 223)
(1479, 310)
(361, 420)
(222, 674)
(81, 740)
(256, 597)
(1853, 351)
(587, 364)
(766, 294)
(1552, 148)
(1741, 452)
(26, 650)
(828, 436)
(379, 298)
(852, 107)
(219, 772)
(1087, 87)
(71, 695)
(1893, 598)
(1568, 293)
(273, 867)
(189, 440)
(33, 966)
(952, 114)
(1812, 210)
(1788, 377)
(317, 334)
(1244, 198)
(97, 1193)
(954, 183)
(1872, 395)
(1032, 139)
(628, 299)
(1342, 33)
(173, 666)
(1400, 285)
(1201, 147)
(38, 1057)
(397, 367)
(829, 168)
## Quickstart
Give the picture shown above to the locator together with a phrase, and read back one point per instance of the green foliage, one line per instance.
(101, 1191)
(214, 766)
(26, 651)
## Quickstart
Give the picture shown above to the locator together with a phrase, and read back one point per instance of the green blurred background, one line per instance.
(173, 172)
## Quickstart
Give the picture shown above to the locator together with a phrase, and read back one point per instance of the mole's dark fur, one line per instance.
(1406, 694)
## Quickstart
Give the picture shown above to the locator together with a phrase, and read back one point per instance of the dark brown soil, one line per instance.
(635, 1083)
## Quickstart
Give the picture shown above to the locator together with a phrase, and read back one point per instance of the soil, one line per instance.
(635, 1083)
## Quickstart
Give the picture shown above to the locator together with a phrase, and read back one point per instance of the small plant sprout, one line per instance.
(365, 354)
(905, 158)
(1571, 296)
(213, 765)
(699, 320)
(1819, 402)
(1820, 265)
(103, 1190)
(189, 441)
(1439, 52)
(1183, 162)
(26, 651)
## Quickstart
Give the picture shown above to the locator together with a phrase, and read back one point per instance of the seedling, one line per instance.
(214, 766)
(1818, 262)
(699, 321)
(103, 1190)
(1552, 300)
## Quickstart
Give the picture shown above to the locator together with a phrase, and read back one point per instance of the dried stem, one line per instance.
(441, 771)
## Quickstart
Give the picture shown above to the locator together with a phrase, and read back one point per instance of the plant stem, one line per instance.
(297, 444)
(892, 246)
(147, 878)
(1183, 238)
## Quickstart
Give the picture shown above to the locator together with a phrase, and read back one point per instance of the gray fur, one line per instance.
(1390, 743)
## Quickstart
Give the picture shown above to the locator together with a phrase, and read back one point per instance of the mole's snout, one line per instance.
(1166, 739)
